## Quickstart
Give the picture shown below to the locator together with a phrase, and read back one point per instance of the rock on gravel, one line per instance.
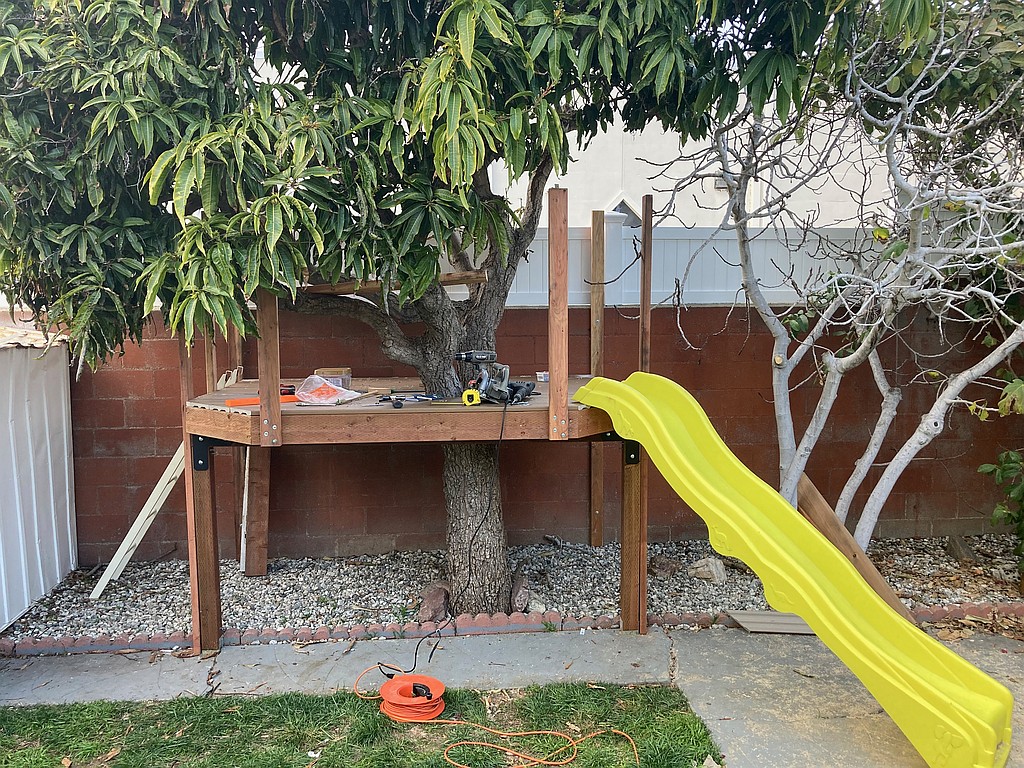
(573, 579)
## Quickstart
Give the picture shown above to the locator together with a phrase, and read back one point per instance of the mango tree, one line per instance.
(144, 157)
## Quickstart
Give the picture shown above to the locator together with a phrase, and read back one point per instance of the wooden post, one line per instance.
(647, 234)
(233, 347)
(634, 475)
(269, 349)
(210, 355)
(257, 511)
(558, 314)
(201, 521)
(597, 248)
(632, 593)
(819, 513)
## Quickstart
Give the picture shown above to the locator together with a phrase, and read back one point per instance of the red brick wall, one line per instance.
(328, 500)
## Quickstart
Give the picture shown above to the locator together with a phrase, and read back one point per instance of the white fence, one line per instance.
(711, 258)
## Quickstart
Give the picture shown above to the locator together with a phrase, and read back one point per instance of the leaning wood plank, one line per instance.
(143, 521)
(374, 286)
(772, 622)
(151, 508)
(558, 314)
(813, 506)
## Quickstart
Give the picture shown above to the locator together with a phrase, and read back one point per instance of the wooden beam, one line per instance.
(257, 512)
(201, 523)
(374, 286)
(210, 355)
(233, 362)
(819, 513)
(636, 476)
(597, 258)
(647, 234)
(558, 314)
(269, 355)
(632, 561)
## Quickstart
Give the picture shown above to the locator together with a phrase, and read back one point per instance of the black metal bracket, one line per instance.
(630, 452)
(201, 446)
(608, 436)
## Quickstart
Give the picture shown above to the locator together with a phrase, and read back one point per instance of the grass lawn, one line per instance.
(342, 730)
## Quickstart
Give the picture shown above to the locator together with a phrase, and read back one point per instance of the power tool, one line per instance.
(492, 387)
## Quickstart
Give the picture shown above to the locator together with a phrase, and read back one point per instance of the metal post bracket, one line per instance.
(201, 446)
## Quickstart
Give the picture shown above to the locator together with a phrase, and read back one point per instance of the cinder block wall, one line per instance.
(334, 500)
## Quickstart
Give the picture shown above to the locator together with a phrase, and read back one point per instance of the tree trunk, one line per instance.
(477, 559)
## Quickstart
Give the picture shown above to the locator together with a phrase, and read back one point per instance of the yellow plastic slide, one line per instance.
(953, 713)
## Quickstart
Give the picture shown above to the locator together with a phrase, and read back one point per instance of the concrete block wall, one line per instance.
(340, 500)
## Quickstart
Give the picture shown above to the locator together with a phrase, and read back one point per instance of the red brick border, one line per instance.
(465, 624)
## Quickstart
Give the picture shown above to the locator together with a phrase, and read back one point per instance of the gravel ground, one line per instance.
(573, 579)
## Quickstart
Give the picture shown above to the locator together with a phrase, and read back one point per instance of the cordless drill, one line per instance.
(494, 388)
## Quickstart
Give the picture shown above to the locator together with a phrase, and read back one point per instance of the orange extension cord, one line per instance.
(400, 703)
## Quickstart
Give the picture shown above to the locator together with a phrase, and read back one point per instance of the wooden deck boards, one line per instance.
(368, 421)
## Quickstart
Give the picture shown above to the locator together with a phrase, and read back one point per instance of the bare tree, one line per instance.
(944, 237)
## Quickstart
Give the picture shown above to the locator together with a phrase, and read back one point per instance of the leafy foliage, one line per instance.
(143, 158)
(1008, 473)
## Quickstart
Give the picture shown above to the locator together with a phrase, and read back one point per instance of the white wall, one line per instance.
(619, 165)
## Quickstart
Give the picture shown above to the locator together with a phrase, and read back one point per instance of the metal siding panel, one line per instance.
(714, 277)
(37, 526)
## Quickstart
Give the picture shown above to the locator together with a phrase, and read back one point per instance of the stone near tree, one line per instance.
(536, 604)
(435, 602)
(520, 591)
(710, 569)
(958, 548)
(663, 567)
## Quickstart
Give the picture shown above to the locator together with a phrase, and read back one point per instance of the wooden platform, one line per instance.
(368, 421)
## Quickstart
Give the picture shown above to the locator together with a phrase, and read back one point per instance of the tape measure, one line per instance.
(471, 397)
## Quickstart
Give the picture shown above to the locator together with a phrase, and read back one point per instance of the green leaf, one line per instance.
(1012, 398)
(275, 224)
(184, 180)
(159, 174)
(466, 25)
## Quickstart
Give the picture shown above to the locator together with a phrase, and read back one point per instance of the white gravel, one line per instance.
(573, 579)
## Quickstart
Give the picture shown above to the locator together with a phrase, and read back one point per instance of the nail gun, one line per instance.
(494, 387)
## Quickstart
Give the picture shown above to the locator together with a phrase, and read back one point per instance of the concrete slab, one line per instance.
(103, 676)
(788, 702)
(784, 700)
(481, 661)
(1002, 658)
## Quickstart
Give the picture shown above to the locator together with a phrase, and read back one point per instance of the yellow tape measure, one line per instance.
(471, 397)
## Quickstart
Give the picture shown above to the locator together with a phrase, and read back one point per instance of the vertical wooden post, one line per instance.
(597, 248)
(646, 236)
(558, 314)
(633, 610)
(634, 475)
(233, 353)
(257, 514)
(269, 349)
(210, 355)
(201, 521)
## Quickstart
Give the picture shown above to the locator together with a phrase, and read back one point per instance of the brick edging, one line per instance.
(465, 624)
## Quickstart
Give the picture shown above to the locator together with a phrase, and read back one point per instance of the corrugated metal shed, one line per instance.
(38, 544)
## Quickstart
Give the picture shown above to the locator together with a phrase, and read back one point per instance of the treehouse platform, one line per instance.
(210, 423)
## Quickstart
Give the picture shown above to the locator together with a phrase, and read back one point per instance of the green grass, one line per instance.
(295, 730)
